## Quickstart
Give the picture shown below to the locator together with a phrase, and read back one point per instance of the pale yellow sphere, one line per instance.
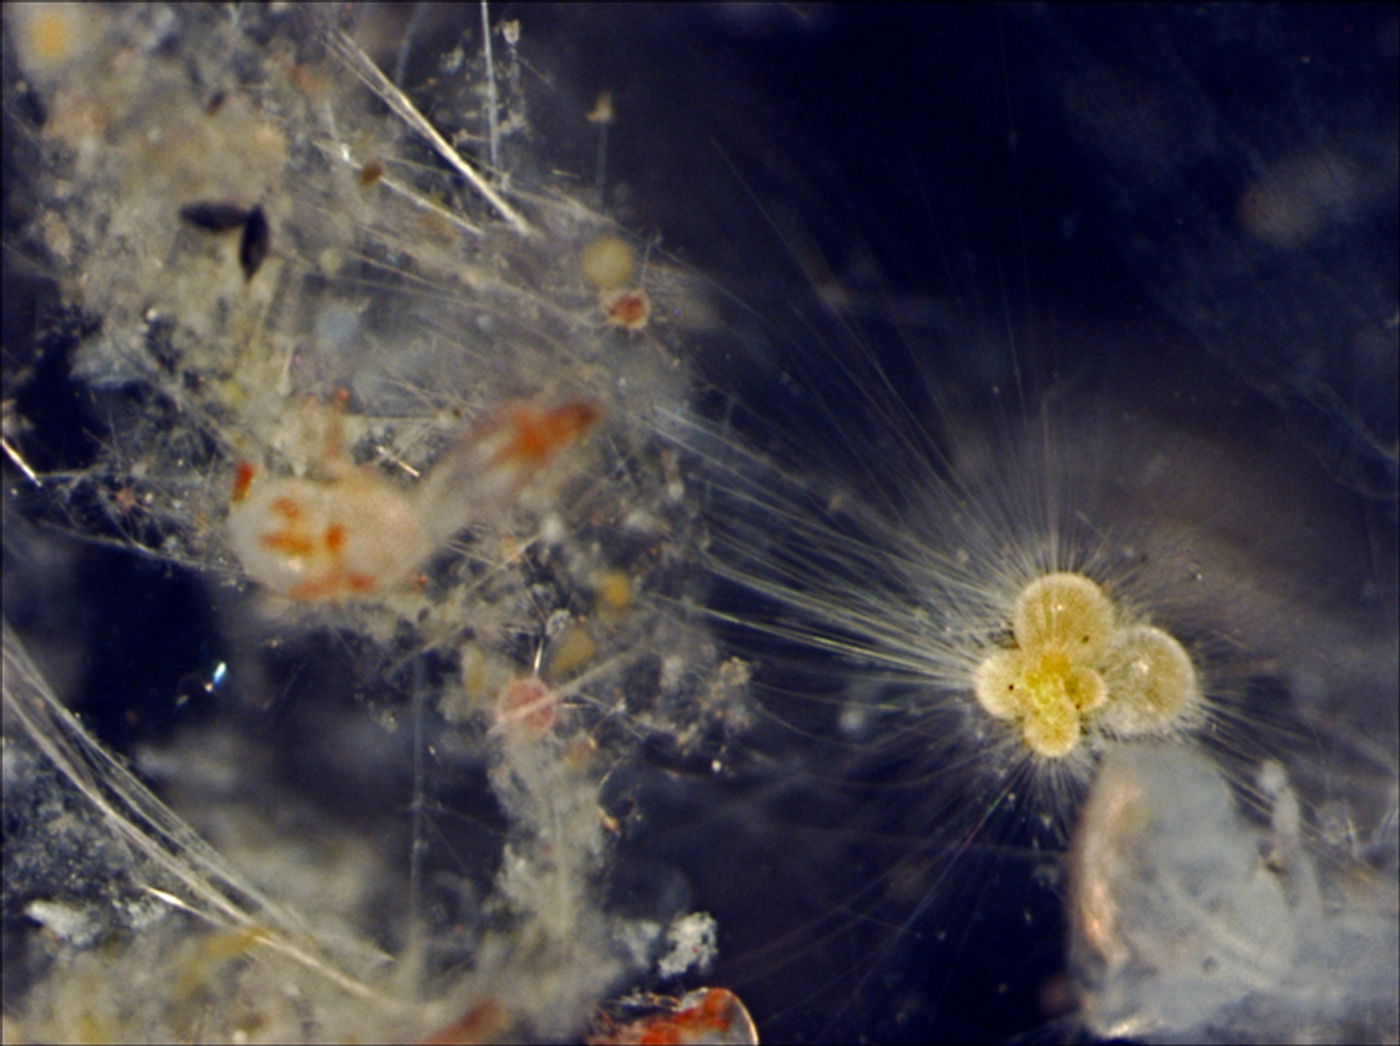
(607, 263)
(1152, 682)
(1064, 610)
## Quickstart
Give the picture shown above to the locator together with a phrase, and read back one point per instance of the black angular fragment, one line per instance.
(214, 217)
(256, 241)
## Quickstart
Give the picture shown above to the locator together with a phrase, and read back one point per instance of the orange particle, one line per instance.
(526, 708)
(711, 1015)
(332, 586)
(286, 508)
(531, 441)
(243, 473)
(501, 456)
(714, 1015)
(485, 1022)
(288, 541)
(335, 537)
(370, 173)
(538, 435)
(626, 308)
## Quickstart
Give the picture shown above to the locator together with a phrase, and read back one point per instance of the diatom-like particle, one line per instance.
(221, 216)
(214, 216)
(255, 242)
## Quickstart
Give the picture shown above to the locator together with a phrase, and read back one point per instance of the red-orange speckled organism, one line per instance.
(349, 532)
